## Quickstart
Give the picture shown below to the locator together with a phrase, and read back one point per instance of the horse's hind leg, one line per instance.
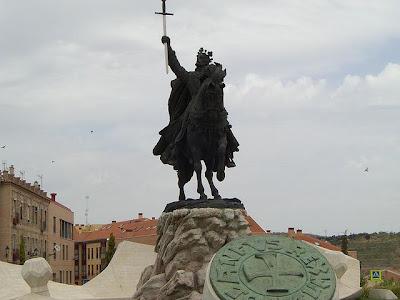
(200, 187)
(209, 176)
(185, 173)
(181, 184)
(184, 176)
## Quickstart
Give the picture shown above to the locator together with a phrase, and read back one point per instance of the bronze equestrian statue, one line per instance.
(198, 129)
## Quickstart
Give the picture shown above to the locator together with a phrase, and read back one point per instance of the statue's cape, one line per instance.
(177, 104)
(179, 99)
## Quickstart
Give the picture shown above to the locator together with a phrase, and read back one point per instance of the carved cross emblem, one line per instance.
(272, 270)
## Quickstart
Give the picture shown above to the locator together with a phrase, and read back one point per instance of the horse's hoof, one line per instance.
(218, 197)
(220, 175)
(203, 197)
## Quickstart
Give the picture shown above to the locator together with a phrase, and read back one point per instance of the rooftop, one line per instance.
(121, 230)
(299, 235)
(138, 227)
(8, 176)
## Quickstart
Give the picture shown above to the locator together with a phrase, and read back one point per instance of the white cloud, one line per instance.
(382, 89)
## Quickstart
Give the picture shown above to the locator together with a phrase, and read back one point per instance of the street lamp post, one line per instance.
(7, 252)
(56, 249)
(35, 253)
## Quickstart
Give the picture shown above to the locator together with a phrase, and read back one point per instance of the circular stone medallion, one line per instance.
(271, 267)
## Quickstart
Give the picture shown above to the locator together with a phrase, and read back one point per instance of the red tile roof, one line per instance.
(136, 228)
(315, 241)
(120, 230)
(254, 227)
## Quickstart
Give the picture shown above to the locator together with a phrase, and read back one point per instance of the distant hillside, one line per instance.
(375, 250)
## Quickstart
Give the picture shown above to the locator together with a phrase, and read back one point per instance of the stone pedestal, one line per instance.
(187, 240)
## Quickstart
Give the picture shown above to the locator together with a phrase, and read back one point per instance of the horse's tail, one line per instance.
(185, 172)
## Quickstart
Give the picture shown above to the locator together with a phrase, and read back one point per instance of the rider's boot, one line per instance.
(230, 163)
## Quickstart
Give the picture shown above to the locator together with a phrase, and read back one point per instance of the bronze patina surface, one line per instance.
(271, 267)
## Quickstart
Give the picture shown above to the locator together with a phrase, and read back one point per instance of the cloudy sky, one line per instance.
(313, 94)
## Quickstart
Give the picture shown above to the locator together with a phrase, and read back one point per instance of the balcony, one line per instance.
(16, 219)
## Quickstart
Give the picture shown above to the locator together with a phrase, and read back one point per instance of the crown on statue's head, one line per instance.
(204, 57)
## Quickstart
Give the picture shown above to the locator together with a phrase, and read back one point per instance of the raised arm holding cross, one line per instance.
(165, 14)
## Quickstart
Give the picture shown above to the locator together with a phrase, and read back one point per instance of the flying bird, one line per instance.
(91, 131)
(53, 161)
(366, 170)
(3, 147)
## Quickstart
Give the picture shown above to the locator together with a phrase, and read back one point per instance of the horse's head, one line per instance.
(212, 87)
(216, 74)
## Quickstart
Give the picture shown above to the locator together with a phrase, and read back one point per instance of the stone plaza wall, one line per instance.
(117, 282)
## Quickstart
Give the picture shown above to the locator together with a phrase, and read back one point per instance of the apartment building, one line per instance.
(91, 245)
(28, 214)
(61, 234)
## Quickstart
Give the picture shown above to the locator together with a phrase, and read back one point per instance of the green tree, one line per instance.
(111, 249)
(345, 244)
(22, 251)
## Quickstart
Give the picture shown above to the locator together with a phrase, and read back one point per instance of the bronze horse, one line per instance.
(204, 137)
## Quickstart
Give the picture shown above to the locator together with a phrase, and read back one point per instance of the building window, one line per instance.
(54, 251)
(61, 277)
(35, 215)
(65, 229)
(54, 225)
(92, 254)
(63, 252)
(66, 255)
(14, 208)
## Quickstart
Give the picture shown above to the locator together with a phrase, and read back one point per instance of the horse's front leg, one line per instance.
(209, 176)
(221, 151)
(200, 187)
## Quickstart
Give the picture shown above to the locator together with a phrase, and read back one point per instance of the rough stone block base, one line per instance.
(187, 240)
